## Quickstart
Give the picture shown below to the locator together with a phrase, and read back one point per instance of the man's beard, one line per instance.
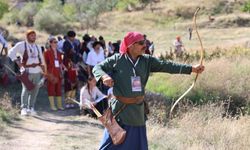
(31, 41)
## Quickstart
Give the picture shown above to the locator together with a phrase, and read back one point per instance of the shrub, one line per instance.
(219, 7)
(70, 11)
(123, 4)
(3, 8)
(27, 13)
(246, 7)
(11, 17)
(185, 12)
(53, 24)
(7, 113)
(88, 13)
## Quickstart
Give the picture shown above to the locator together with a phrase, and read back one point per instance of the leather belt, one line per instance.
(130, 100)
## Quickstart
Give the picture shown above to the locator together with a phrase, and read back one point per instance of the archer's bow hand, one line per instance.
(198, 68)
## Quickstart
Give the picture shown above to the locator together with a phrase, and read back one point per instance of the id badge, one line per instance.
(136, 84)
(57, 63)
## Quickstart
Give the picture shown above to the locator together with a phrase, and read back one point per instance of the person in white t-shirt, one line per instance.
(178, 47)
(95, 56)
(32, 61)
(91, 94)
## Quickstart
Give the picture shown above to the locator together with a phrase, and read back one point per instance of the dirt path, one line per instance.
(52, 131)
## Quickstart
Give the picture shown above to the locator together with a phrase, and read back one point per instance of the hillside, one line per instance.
(169, 19)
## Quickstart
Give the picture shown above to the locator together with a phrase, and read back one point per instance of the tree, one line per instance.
(88, 12)
(3, 8)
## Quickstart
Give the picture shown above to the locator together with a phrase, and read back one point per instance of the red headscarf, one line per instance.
(130, 39)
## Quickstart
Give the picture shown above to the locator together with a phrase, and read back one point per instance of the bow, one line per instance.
(201, 62)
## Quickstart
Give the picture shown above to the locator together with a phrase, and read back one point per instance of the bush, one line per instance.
(246, 7)
(219, 7)
(53, 24)
(123, 4)
(11, 17)
(88, 12)
(3, 8)
(70, 11)
(27, 13)
(185, 12)
(7, 113)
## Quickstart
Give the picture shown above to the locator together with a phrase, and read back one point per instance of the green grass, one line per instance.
(159, 83)
(4, 116)
(167, 84)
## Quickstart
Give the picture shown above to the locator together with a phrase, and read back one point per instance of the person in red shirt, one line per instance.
(54, 66)
(70, 84)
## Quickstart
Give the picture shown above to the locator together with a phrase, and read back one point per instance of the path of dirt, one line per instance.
(63, 130)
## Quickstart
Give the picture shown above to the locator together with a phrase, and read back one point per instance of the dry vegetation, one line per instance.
(7, 113)
(221, 122)
(199, 129)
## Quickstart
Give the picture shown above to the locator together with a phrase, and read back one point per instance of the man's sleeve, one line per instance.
(89, 59)
(17, 49)
(104, 67)
(157, 65)
(3, 41)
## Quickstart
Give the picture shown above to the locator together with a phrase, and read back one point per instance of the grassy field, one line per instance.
(199, 129)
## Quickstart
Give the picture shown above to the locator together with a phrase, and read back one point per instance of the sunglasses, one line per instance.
(54, 42)
(141, 42)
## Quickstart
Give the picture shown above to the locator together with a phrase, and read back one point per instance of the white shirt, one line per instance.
(3, 41)
(60, 46)
(33, 50)
(90, 45)
(110, 91)
(94, 95)
(178, 45)
(95, 58)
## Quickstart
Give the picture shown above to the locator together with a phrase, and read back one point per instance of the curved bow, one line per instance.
(201, 62)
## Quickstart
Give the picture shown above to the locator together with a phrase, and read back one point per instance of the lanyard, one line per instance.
(133, 64)
(32, 48)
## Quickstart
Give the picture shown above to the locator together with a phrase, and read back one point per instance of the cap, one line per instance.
(30, 31)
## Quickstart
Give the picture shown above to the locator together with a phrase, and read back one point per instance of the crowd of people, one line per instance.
(66, 64)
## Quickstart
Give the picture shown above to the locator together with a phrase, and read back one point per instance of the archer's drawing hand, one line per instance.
(198, 68)
(107, 80)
